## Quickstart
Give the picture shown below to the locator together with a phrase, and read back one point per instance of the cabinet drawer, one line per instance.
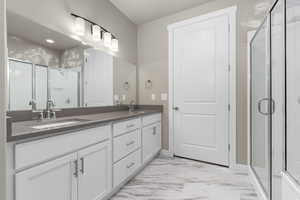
(126, 167)
(151, 141)
(150, 119)
(31, 153)
(126, 126)
(125, 144)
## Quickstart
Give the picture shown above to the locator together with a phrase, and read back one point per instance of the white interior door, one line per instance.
(201, 94)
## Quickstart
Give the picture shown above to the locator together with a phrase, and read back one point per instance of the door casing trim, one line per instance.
(231, 13)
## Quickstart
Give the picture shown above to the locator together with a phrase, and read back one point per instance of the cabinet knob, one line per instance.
(176, 108)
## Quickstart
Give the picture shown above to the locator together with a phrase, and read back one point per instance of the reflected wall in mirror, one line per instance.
(45, 65)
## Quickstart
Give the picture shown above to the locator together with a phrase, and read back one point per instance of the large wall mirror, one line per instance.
(45, 65)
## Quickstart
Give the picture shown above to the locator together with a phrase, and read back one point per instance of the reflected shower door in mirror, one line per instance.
(260, 106)
(292, 88)
(50, 68)
(20, 85)
(64, 87)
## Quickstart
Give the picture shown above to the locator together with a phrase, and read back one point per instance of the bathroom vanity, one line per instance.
(74, 129)
(89, 159)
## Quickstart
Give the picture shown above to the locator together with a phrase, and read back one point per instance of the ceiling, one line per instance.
(142, 11)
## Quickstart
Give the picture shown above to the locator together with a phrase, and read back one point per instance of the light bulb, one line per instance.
(96, 31)
(79, 26)
(107, 39)
(115, 45)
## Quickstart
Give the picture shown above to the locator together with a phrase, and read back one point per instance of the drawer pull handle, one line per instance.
(82, 165)
(130, 165)
(76, 168)
(130, 143)
(130, 125)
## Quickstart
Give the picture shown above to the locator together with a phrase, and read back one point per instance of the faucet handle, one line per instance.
(33, 104)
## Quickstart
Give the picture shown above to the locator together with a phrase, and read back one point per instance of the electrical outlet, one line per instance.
(164, 96)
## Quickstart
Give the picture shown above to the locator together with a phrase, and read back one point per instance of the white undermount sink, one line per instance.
(57, 124)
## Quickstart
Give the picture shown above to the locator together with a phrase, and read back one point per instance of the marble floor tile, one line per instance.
(182, 179)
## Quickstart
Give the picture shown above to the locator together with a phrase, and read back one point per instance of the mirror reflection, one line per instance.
(50, 70)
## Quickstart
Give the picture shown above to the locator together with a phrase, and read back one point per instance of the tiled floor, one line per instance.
(181, 179)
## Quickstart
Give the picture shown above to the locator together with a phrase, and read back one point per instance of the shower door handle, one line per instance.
(270, 111)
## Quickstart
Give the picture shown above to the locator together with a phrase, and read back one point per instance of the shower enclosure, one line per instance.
(275, 98)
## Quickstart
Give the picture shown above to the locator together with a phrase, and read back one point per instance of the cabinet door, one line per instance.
(151, 141)
(53, 180)
(95, 166)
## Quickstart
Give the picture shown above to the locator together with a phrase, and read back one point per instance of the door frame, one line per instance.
(231, 13)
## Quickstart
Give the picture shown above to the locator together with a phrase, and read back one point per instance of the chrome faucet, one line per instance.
(50, 113)
(131, 106)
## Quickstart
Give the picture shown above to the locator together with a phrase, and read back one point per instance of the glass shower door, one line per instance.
(261, 106)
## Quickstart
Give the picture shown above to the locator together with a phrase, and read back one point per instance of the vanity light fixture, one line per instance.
(107, 39)
(115, 45)
(50, 41)
(96, 32)
(79, 26)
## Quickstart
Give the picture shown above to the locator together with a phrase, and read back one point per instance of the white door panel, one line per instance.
(201, 90)
(95, 173)
(49, 181)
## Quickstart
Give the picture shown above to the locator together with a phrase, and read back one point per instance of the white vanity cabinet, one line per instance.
(151, 141)
(94, 176)
(84, 174)
(90, 164)
(52, 180)
(127, 149)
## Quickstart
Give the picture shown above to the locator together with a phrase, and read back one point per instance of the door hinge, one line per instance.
(229, 107)
(228, 147)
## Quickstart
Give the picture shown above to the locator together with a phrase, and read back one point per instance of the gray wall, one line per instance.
(55, 14)
(153, 61)
(2, 100)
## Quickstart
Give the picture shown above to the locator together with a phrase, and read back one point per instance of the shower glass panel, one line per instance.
(292, 88)
(20, 95)
(260, 106)
(278, 95)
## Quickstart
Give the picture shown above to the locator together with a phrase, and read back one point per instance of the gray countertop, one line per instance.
(23, 130)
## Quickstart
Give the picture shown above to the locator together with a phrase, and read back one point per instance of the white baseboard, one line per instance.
(259, 190)
(166, 153)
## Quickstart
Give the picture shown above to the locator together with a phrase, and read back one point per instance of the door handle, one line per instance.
(270, 110)
(82, 165)
(176, 108)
